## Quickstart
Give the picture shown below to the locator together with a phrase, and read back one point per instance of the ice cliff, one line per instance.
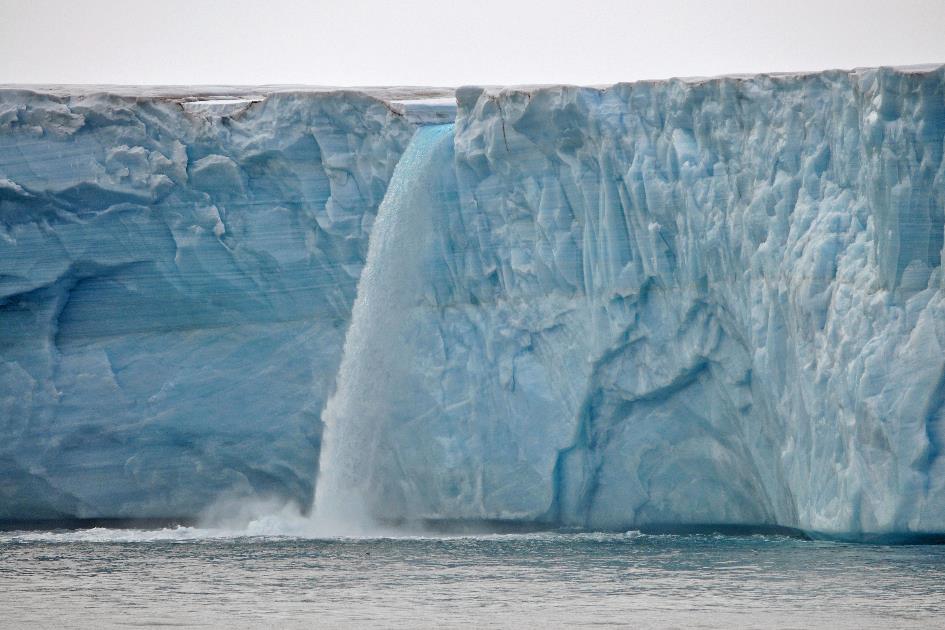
(176, 278)
(679, 302)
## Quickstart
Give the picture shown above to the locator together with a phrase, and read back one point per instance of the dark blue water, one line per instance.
(196, 578)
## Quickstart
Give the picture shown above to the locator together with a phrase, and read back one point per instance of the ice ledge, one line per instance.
(430, 111)
(218, 106)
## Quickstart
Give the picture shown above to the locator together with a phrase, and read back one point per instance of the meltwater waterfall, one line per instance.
(373, 380)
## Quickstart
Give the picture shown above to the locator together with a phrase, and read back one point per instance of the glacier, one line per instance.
(682, 302)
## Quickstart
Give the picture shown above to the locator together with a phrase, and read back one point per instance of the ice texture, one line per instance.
(176, 279)
(677, 302)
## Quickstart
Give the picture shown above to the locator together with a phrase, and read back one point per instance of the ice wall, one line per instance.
(176, 277)
(679, 302)
(682, 302)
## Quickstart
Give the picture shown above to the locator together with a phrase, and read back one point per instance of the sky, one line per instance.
(441, 42)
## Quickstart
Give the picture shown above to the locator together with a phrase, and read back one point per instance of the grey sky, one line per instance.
(440, 42)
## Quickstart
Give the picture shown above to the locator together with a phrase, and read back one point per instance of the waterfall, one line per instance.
(375, 365)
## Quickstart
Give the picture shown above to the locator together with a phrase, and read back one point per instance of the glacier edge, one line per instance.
(678, 302)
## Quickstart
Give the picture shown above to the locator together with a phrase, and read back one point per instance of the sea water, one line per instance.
(101, 578)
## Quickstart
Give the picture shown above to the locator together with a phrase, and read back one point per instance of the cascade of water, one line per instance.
(374, 367)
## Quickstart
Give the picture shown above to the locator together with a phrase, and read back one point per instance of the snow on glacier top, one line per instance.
(390, 94)
(418, 104)
(228, 92)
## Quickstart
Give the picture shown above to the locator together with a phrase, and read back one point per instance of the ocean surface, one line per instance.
(103, 578)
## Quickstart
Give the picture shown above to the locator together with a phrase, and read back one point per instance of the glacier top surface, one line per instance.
(214, 92)
(215, 95)
(405, 94)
